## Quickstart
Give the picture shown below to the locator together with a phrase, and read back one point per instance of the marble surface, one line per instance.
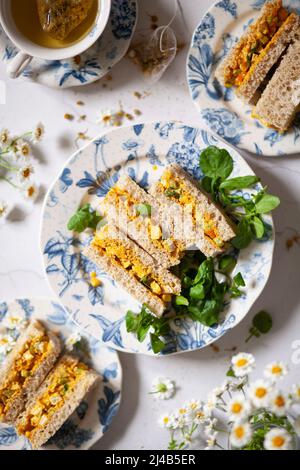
(21, 270)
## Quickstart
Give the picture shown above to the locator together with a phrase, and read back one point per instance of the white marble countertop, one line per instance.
(21, 270)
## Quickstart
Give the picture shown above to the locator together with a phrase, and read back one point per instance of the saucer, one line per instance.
(90, 66)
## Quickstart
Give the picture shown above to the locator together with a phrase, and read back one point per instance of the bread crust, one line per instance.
(32, 383)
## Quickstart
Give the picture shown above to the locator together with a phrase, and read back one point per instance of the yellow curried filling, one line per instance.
(68, 373)
(259, 37)
(123, 198)
(28, 360)
(122, 256)
(176, 189)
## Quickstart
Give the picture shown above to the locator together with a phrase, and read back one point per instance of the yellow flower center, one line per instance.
(26, 173)
(236, 408)
(241, 363)
(200, 414)
(278, 441)
(25, 150)
(166, 420)
(280, 401)
(30, 191)
(239, 432)
(182, 411)
(261, 392)
(276, 370)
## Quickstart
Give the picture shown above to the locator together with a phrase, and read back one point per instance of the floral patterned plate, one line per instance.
(225, 114)
(143, 151)
(94, 415)
(92, 64)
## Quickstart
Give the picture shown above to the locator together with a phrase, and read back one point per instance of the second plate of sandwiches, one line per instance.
(46, 379)
(254, 78)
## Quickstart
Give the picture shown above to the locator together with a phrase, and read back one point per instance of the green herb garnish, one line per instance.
(84, 218)
(144, 210)
(172, 193)
(261, 325)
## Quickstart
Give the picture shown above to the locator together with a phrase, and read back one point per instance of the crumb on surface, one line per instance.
(69, 117)
(80, 103)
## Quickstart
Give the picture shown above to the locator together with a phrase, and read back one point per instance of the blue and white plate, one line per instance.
(143, 151)
(92, 64)
(94, 415)
(225, 114)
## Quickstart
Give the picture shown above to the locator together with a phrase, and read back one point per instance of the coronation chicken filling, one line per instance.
(253, 45)
(176, 189)
(128, 259)
(67, 374)
(25, 364)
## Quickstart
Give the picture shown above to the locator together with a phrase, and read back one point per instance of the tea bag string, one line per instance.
(165, 28)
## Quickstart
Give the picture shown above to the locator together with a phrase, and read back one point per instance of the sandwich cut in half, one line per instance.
(258, 50)
(139, 215)
(33, 356)
(55, 401)
(204, 224)
(280, 101)
(133, 268)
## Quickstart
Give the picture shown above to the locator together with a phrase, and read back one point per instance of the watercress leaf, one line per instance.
(84, 218)
(244, 235)
(156, 343)
(143, 209)
(263, 322)
(258, 227)
(267, 204)
(205, 273)
(239, 280)
(210, 312)
(142, 331)
(227, 263)
(206, 184)
(216, 163)
(197, 292)
(241, 182)
(187, 282)
(131, 322)
(181, 300)
(161, 327)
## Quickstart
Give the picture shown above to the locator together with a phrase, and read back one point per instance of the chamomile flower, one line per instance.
(242, 364)
(3, 210)
(23, 149)
(275, 371)
(72, 341)
(38, 133)
(30, 191)
(201, 417)
(240, 435)
(278, 403)
(210, 405)
(278, 439)
(296, 393)
(209, 428)
(259, 393)
(26, 172)
(165, 421)
(163, 388)
(7, 343)
(183, 415)
(5, 139)
(238, 408)
(211, 441)
(14, 321)
(192, 406)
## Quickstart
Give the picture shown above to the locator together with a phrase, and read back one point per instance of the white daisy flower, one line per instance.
(240, 435)
(211, 441)
(242, 364)
(209, 428)
(163, 388)
(278, 403)
(184, 416)
(165, 421)
(278, 439)
(72, 341)
(193, 405)
(30, 191)
(23, 149)
(7, 343)
(3, 210)
(275, 371)
(5, 139)
(259, 393)
(38, 133)
(238, 408)
(14, 321)
(25, 173)
(296, 393)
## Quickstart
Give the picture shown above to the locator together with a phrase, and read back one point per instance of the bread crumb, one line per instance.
(137, 112)
(69, 117)
(138, 95)
(80, 103)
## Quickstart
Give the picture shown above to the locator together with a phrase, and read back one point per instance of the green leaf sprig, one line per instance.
(84, 218)
(261, 325)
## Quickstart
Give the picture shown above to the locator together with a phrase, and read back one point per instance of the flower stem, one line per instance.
(10, 182)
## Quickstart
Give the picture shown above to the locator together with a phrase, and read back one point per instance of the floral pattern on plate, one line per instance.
(91, 65)
(94, 415)
(221, 111)
(143, 151)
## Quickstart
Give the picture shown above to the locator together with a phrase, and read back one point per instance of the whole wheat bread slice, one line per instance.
(137, 228)
(194, 235)
(32, 383)
(280, 101)
(73, 399)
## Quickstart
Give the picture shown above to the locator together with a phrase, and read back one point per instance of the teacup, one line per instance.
(29, 50)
